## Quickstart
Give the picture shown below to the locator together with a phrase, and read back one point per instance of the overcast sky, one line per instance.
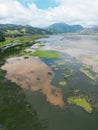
(41, 13)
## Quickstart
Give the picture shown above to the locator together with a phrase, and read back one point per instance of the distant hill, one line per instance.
(20, 30)
(63, 28)
(87, 31)
(90, 31)
(95, 29)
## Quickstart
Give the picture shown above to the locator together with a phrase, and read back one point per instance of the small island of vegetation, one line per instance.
(80, 101)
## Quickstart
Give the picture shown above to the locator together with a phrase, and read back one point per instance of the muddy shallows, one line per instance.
(34, 75)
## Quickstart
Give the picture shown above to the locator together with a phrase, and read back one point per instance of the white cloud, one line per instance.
(69, 11)
(13, 12)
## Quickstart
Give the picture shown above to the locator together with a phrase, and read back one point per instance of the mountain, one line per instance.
(63, 28)
(20, 30)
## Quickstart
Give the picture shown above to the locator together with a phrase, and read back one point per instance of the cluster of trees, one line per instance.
(2, 38)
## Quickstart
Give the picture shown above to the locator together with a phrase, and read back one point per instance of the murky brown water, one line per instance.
(34, 75)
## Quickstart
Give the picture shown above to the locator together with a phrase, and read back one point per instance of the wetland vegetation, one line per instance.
(88, 74)
(80, 101)
(41, 54)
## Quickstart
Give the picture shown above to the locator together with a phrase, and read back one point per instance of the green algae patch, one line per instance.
(89, 57)
(80, 101)
(88, 74)
(61, 63)
(62, 83)
(76, 91)
(67, 72)
(45, 54)
(87, 66)
(68, 60)
(96, 60)
(96, 76)
(77, 59)
(55, 67)
(66, 76)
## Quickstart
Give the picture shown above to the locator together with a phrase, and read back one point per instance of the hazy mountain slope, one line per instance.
(20, 30)
(63, 28)
(90, 31)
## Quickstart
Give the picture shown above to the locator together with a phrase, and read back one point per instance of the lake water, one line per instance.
(48, 91)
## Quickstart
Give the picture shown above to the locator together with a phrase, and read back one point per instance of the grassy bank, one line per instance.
(22, 39)
(15, 112)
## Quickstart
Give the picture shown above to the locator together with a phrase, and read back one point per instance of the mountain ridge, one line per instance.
(13, 30)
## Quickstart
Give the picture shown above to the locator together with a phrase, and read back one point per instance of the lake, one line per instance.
(64, 90)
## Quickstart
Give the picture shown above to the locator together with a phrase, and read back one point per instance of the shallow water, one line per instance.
(42, 86)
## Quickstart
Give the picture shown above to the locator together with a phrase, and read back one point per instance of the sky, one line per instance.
(41, 13)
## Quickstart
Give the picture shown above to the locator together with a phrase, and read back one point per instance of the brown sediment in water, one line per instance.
(34, 75)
